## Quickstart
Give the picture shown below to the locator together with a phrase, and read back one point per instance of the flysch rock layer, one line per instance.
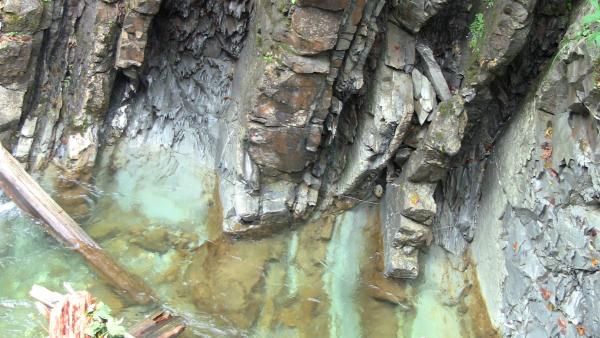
(472, 123)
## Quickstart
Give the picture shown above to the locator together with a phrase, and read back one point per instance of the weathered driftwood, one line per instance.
(30, 197)
(159, 325)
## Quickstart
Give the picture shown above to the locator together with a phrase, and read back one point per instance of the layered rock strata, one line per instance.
(305, 106)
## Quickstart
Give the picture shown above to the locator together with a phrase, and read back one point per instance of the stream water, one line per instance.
(161, 217)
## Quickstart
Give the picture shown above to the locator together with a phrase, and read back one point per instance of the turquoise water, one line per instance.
(159, 215)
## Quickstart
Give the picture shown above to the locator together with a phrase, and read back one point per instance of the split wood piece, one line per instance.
(30, 197)
(159, 325)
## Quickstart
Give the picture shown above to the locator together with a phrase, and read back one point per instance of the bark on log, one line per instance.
(29, 196)
(159, 325)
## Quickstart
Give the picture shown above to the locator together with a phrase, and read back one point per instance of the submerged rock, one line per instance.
(483, 131)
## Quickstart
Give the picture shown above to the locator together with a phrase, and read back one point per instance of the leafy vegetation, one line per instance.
(591, 24)
(589, 32)
(477, 30)
(103, 325)
(489, 3)
(268, 58)
(13, 33)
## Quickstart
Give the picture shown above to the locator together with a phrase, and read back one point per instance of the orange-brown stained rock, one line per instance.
(358, 11)
(476, 320)
(226, 277)
(283, 149)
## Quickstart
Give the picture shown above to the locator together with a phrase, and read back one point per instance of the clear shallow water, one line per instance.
(159, 214)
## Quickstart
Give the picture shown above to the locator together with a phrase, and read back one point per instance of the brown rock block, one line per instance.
(313, 31)
(15, 52)
(283, 148)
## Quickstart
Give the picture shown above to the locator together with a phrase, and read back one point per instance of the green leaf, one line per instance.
(594, 17)
(114, 328)
(102, 312)
(93, 329)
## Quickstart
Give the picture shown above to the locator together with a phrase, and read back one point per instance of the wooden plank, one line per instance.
(29, 196)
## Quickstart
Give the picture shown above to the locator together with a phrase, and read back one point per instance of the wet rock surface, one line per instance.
(472, 123)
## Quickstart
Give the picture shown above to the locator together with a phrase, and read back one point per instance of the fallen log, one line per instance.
(29, 196)
(63, 316)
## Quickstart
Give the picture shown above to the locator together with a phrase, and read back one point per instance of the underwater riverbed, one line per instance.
(161, 218)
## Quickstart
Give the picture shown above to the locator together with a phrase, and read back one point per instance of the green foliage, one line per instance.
(489, 3)
(293, 2)
(268, 58)
(103, 325)
(591, 24)
(477, 31)
(589, 32)
(13, 33)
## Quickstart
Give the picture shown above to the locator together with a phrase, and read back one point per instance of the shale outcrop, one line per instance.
(473, 124)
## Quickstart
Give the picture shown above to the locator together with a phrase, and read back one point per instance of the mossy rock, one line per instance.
(22, 16)
(27, 22)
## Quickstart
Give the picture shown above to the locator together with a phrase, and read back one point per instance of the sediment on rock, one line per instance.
(302, 106)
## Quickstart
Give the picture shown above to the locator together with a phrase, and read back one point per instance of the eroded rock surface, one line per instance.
(468, 122)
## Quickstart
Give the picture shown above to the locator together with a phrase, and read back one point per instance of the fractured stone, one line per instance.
(283, 149)
(411, 233)
(413, 14)
(307, 65)
(148, 7)
(11, 102)
(313, 30)
(434, 72)
(276, 202)
(401, 265)
(399, 48)
(414, 200)
(425, 99)
(443, 140)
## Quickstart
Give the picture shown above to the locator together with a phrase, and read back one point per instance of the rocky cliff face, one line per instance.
(473, 124)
